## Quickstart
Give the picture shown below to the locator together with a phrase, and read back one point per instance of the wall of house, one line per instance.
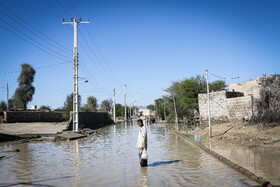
(224, 109)
(248, 88)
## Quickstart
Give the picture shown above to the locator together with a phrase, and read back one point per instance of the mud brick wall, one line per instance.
(224, 109)
(31, 116)
(92, 120)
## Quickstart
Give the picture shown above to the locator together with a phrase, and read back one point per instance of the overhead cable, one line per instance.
(33, 39)
(36, 68)
(48, 38)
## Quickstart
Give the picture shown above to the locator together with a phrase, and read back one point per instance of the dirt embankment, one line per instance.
(241, 134)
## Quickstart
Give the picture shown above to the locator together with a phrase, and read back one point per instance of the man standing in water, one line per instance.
(142, 139)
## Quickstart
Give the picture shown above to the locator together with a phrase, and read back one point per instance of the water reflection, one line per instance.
(143, 177)
(262, 161)
(74, 145)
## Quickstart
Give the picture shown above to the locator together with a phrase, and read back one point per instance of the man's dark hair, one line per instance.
(140, 120)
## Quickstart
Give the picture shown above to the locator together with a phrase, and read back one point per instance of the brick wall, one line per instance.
(224, 109)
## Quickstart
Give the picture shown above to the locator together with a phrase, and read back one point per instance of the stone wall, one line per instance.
(92, 120)
(224, 109)
(32, 116)
(250, 88)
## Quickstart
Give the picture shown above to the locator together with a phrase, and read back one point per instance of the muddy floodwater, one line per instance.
(110, 158)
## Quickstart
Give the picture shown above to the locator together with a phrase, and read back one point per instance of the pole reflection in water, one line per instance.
(143, 177)
(75, 146)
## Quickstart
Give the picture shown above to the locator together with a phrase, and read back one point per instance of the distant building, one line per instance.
(237, 104)
(33, 107)
(144, 112)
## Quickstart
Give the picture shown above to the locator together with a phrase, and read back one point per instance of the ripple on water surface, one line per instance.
(110, 158)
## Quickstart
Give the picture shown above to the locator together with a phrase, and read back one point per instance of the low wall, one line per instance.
(92, 120)
(225, 109)
(32, 116)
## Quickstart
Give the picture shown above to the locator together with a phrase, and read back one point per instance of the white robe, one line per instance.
(142, 138)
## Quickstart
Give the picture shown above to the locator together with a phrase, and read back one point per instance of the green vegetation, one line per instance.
(185, 93)
(91, 105)
(44, 107)
(25, 90)
(106, 105)
(3, 106)
(68, 105)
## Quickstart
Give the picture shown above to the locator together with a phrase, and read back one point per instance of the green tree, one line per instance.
(11, 103)
(159, 103)
(43, 107)
(68, 105)
(151, 107)
(3, 106)
(186, 95)
(217, 85)
(119, 110)
(25, 90)
(106, 105)
(91, 105)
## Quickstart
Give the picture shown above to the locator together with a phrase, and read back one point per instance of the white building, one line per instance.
(144, 112)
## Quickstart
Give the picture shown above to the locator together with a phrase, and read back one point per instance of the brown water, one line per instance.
(262, 161)
(110, 158)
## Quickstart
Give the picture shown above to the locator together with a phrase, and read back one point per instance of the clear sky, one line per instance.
(145, 44)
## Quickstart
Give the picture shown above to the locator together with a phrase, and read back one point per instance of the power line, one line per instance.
(95, 46)
(65, 10)
(37, 68)
(30, 42)
(223, 77)
(33, 39)
(94, 43)
(96, 57)
(35, 30)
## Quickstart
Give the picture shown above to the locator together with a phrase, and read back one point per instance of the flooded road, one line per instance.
(110, 158)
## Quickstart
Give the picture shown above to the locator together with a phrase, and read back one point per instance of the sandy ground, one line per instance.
(31, 128)
(238, 133)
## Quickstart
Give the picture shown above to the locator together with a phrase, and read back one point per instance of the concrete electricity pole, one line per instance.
(164, 111)
(75, 23)
(132, 106)
(114, 103)
(130, 110)
(176, 118)
(7, 88)
(7, 96)
(209, 112)
(125, 117)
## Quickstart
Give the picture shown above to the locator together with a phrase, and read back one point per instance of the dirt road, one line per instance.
(31, 128)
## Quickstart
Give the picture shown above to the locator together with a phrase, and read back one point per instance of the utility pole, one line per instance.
(176, 118)
(7, 88)
(164, 111)
(75, 23)
(125, 117)
(132, 106)
(130, 110)
(7, 97)
(114, 103)
(209, 112)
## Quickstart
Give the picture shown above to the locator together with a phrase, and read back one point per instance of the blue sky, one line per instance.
(145, 44)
